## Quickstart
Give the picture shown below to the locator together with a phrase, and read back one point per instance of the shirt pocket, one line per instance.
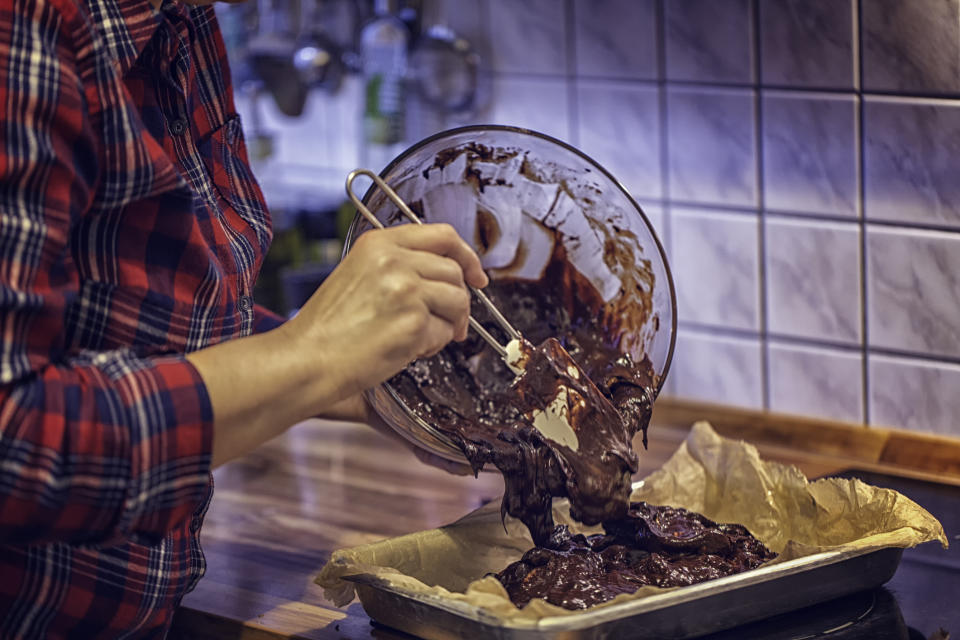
(225, 154)
(132, 164)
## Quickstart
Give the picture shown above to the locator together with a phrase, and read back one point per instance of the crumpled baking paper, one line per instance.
(721, 478)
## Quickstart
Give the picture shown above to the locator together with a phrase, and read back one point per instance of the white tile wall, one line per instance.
(715, 258)
(529, 36)
(813, 280)
(910, 160)
(711, 142)
(911, 46)
(709, 40)
(810, 153)
(616, 38)
(719, 369)
(915, 394)
(534, 103)
(808, 43)
(657, 216)
(619, 126)
(816, 381)
(913, 279)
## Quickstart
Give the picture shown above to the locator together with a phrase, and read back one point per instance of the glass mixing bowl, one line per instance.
(499, 187)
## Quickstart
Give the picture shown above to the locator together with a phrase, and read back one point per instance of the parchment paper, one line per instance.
(721, 478)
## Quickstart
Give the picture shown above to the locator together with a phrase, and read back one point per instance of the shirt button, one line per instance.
(245, 303)
(178, 127)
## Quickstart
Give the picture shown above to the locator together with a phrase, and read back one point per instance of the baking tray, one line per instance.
(685, 612)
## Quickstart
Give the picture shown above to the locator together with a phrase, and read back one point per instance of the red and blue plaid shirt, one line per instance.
(131, 232)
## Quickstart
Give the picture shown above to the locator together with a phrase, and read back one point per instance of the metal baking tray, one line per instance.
(685, 612)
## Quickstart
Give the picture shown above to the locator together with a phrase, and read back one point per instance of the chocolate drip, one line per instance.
(467, 392)
(584, 346)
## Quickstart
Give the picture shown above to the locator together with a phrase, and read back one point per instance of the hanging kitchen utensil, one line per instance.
(272, 52)
(318, 58)
(444, 66)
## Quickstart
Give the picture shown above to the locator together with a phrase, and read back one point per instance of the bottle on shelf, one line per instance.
(384, 41)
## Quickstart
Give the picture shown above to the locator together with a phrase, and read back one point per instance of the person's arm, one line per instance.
(398, 295)
(352, 409)
(94, 447)
(98, 447)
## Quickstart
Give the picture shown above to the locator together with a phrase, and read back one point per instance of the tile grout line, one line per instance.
(763, 301)
(663, 123)
(804, 216)
(783, 338)
(722, 331)
(912, 355)
(857, 7)
(735, 86)
(664, 150)
(572, 79)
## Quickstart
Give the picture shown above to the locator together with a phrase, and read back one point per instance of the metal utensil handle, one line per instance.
(413, 217)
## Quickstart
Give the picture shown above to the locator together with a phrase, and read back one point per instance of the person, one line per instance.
(133, 360)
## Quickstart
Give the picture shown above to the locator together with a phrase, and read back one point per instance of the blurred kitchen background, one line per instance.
(800, 160)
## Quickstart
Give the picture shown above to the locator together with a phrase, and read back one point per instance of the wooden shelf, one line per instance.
(782, 436)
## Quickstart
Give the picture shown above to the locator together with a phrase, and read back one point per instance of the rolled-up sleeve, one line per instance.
(93, 446)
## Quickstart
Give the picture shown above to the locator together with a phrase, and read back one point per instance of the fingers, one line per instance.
(425, 314)
(449, 303)
(434, 267)
(442, 239)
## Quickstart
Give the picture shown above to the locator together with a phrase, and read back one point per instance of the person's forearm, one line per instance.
(259, 386)
(400, 294)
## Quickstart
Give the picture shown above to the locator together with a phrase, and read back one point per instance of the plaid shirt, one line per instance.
(131, 232)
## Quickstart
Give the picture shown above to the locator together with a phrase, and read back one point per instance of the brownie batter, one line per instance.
(657, 546)
(469, 393)
(583, 345)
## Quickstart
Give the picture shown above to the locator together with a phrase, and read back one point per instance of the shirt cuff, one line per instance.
(170, 420)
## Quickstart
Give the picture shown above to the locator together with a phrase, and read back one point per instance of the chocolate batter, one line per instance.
(658, 546)
(468, 392)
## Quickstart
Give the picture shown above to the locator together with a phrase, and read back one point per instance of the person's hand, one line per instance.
(398, 295)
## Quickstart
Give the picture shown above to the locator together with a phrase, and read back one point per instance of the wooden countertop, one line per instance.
(278, 513)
